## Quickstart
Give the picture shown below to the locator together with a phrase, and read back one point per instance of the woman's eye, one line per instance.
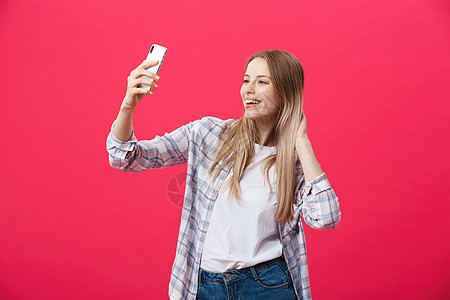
(261, 81)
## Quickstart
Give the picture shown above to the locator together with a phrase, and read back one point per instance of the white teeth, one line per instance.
(252, 101)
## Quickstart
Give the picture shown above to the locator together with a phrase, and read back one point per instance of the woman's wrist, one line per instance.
(126, 108)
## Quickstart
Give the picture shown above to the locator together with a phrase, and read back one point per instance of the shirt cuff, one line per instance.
(122, 145)
(317, 185)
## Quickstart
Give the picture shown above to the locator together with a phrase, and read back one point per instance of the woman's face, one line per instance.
(258, 86)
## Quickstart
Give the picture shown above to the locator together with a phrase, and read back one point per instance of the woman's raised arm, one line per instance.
(123, 127)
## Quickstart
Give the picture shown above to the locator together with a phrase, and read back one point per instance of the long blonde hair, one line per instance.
(238, 139)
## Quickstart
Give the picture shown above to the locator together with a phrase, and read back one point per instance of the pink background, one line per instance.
(376, 101)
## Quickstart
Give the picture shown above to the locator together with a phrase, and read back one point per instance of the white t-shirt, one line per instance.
(245, 232)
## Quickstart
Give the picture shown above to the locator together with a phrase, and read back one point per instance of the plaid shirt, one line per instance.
(194, 144)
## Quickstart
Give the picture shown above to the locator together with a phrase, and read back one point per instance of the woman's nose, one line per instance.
(250, 88)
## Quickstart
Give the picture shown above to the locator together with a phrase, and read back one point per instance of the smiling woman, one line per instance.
(260, 98)
(252, 247)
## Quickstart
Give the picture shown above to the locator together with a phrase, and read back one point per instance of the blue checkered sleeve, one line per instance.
(160, 152)
(318, 204)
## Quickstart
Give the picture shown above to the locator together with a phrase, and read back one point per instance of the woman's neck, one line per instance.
(266, 132)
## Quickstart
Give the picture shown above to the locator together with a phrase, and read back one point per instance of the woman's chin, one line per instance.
(251, 115)
(254, 116)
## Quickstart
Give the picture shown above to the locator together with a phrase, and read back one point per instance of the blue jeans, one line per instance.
(267, 280)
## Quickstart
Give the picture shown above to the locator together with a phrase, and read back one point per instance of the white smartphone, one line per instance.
(158, 53)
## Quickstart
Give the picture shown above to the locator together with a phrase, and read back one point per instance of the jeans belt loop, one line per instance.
(200, 276)
(255, 275)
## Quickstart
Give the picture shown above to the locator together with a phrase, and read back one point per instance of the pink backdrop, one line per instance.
(376, 100)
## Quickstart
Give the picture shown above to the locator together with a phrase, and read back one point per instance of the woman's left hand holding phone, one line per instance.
(123, 127)
(139, 76)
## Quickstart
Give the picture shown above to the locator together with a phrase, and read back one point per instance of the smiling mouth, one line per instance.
(252, 101)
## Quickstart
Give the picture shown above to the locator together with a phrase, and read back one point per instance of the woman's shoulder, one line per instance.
(210, 123)
(216, 121)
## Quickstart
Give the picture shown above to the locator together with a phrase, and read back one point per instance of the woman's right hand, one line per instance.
(134, 93)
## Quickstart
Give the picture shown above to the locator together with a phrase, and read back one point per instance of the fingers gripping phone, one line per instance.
(158, 53)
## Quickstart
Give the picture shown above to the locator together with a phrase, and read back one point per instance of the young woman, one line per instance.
(250, 182)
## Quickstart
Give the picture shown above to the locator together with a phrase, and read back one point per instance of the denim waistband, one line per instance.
(237, 274)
